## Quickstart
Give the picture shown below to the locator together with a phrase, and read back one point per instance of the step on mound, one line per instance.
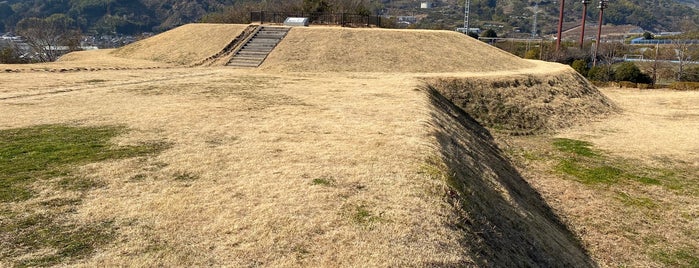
(185, 45)
(321, 49)
(258, 47)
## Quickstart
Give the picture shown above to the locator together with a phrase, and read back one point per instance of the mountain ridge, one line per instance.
(129, 17)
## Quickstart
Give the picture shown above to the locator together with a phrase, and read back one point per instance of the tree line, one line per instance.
(240, 12)
(656, 64)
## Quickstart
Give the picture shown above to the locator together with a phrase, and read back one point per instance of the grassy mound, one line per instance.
(319, 49)
(526, 103)
(184, 45)
(290, 170)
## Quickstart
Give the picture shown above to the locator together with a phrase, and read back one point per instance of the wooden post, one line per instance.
(584, 16)
(560, 26)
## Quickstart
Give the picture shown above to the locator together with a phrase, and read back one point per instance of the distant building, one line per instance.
(471, 30)
(426, 4)
(406, 19)
(641, 41)
(11, 38)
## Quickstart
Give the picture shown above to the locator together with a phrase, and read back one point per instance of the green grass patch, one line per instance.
(647, 180)
(581, 162)
(635, 201)
(686, 257)
(70, 241)
(591, 174)
(362, 215)
(38, 232)
(577, 147)
(434, 168)
(75, 183)
(46, 151)
(41, 234)
(323, 181)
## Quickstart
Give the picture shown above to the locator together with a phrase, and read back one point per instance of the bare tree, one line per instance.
(609, 53)
(47, 36)
(282, 5)
(683, 55)
(351, 6)
(10, 54)
(653, 66)
(237, 13)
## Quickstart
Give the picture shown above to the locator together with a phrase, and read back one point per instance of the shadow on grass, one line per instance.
(505, 222)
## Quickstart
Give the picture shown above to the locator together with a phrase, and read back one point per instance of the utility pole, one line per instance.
(536, 14)
(584, 16)
(560, 26)
(467, 11)
(602, 6)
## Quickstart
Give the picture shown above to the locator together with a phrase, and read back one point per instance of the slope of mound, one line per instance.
(527, 103)
(297, 170)
(184, 45)
(318, 49)
(505, 222)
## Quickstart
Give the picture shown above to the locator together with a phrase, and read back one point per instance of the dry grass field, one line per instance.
(319, 161)
(632, 192)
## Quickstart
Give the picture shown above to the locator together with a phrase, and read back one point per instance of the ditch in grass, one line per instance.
(39, 233)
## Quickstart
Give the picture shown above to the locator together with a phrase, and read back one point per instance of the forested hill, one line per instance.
(106, 16)
(651, 15)
(133, 16)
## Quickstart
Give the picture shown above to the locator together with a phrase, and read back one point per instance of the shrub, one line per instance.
(10, 55)
(685, 86)
(627, 84)
(647, 35)
(532, 54)
(628, 71)
(644, 86)
(490, 33)
(600, 73)
(580, 66)
(691, 74)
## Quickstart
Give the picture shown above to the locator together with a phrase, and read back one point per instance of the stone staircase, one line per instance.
(256, 49)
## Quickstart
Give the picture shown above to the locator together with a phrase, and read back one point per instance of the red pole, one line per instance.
(560, 26)
(602, 5)
(584, 16)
